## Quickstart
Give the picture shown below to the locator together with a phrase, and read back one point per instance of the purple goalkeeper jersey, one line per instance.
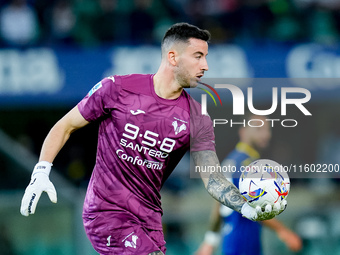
(141, 139)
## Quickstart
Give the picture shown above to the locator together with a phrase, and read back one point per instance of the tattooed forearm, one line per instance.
(205, 158)
(225, 192)
(216, 183)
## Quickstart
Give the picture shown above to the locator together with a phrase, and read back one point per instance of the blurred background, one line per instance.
(53, 52)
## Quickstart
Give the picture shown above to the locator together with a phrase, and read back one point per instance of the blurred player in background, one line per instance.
(147, 123)
(239, 235)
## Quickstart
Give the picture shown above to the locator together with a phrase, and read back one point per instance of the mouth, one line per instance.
(199, 77)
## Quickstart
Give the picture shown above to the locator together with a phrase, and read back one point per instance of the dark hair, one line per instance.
(184, 31)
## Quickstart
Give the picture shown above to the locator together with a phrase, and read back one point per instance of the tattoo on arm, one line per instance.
(225, 192)
(217, 184)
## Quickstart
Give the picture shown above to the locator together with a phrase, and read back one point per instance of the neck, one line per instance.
(165, 84)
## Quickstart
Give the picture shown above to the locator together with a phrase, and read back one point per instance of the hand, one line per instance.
(266, 213)
(39, 182)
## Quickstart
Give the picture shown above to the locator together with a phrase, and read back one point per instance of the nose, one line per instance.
(205, 66)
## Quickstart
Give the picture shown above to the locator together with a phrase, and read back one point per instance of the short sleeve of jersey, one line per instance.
(100, 99)
(202, 135)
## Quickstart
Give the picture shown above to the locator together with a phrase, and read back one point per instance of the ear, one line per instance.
(172, 57)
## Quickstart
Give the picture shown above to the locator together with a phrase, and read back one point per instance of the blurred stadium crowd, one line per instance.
(98, 22)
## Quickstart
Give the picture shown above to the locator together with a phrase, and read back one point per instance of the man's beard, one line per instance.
(185, 81)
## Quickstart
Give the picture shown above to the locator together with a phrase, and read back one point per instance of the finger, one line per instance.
(29, 202)
(258, 210)
(27, 198)
(268, 209)
(277, 208)
(52, 193)
(23, 211)
(33, 201)
(24, 205)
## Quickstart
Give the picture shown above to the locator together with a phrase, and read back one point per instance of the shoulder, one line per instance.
(138, 83)
(133, 82)
(195, 107)
(196, 116)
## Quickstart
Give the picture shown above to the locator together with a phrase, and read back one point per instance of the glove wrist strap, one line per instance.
(42, 167)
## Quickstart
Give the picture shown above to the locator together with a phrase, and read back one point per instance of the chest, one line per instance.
(140, 120)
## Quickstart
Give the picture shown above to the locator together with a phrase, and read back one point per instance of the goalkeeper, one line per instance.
(147, 123)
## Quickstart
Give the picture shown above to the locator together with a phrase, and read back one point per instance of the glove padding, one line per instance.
(39, 182)
(267, 213)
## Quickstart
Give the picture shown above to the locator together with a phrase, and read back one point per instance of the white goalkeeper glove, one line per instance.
(39, 182)
(267, 213)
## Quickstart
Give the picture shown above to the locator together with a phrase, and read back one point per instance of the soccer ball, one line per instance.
(264, 182)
